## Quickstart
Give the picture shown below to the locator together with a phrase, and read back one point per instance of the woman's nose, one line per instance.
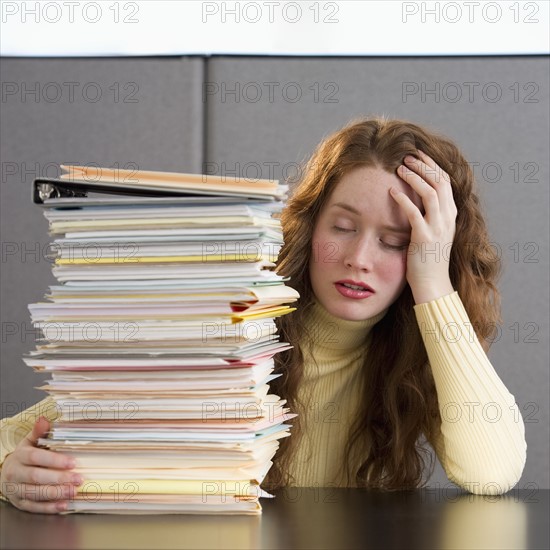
(360, 255)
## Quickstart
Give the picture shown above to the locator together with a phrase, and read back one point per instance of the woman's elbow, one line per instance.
(493, 481)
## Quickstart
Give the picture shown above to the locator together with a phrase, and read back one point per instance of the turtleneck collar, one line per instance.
(332, 333)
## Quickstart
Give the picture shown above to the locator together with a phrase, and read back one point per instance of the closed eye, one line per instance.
(342, 229)
(395, 246)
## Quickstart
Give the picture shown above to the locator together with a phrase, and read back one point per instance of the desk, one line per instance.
(307, 518)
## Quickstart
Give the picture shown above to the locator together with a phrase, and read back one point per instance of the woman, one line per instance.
(388, 205)
(386, 244)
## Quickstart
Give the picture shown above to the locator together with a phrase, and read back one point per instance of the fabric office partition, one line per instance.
(267, 114)
(260, 117)
(143, 113)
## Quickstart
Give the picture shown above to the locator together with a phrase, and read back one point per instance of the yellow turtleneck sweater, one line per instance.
(481, 445)
(331, 393)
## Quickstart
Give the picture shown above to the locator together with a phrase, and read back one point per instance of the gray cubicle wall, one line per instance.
(262, 116)
(144, 113)
(505, 139)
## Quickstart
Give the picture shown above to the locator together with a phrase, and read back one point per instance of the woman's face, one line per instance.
(358, 262)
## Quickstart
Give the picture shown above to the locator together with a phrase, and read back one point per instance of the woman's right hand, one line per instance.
(38, 480)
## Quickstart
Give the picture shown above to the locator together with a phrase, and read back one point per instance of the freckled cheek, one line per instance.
(325, 251)
(393, 270)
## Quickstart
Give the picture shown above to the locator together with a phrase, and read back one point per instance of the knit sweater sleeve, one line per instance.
(481, 440)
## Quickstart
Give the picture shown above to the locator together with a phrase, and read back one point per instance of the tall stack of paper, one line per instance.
(160, 338)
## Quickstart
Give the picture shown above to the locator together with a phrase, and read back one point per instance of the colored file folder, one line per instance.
(161, 338)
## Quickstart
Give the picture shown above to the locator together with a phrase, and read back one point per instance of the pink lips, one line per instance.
(355, 294)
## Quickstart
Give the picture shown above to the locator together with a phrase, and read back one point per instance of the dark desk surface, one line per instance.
(307, 518)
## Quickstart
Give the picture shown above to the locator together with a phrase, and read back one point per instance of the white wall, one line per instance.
(187, 27)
